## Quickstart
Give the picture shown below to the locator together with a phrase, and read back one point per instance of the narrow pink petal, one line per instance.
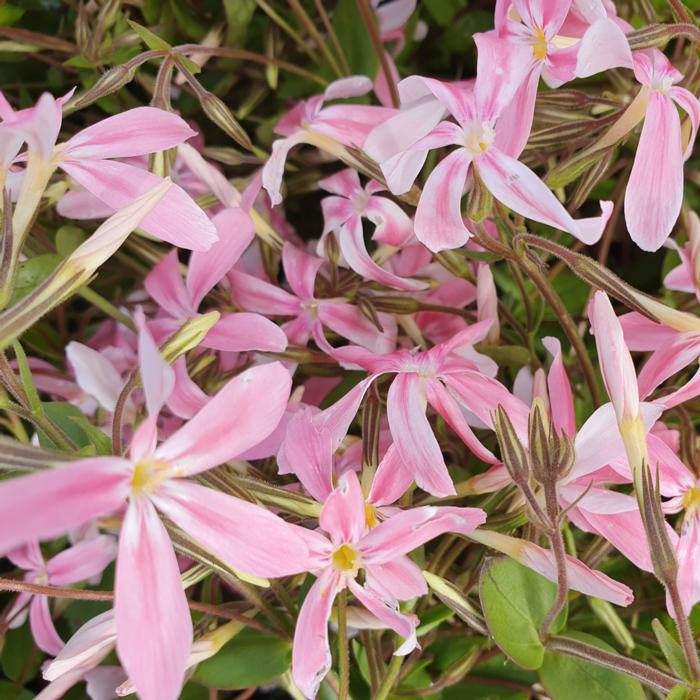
(336, 211)
(132, 133)
(439, 224)
(413, 436)
(393, 15)
(515, 121)
(393, 225)
(247, 536)
(245, 331)
(401, 578)
(388, 612)
(409, 529)
(482, 396)
(164, 284)
(516, 186)
(154, 628)
(655, 188)
(186, 397)
(352, 246)
(502, 67)
(232, 421)
(391, 479)
(175, 219)
(347, 320)
(400, 132)
(665, 362)
(642, 334)
(680, 279)
(580, 577)
(307, 452)
(27, 557)
(345, 183)
(41, 127)
(81, 561)
(43, 629)
(273, 170)
(687, 553)
(47, 504)
(487, 300)
(254, 294)
(688, 391)
(603, 46)
(561, 398)
(452, 96)
(443, 403)
(616, 364)
(352, 86)
(343, 514)
(300, 269)
(157, 376)
(95, 374)
(79, 204)
(204, 270)
(311, 655)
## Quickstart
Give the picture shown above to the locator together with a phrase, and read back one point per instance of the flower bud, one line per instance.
(189, 336)
(512, 452)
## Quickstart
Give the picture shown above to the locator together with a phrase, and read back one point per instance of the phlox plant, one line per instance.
(349, 349)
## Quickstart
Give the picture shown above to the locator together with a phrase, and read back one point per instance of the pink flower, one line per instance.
(233, 332)
(536, 24)
(449, 377)
(77, 563)
(344, 212)
(346, 124)
(309, 314)
(349, 546)
(89, 158)
(654, 192)
(477, 134)
(154, 629)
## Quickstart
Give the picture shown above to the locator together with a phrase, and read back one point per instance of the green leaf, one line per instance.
(153, 41)
(10, 691)
(680, 692)
(250, 659)
(76, 426)
(672, 650)
(238, 16)
(354, 38)
(31, 273)
(68, 238)
(20, 657)
(433, 618)
(515, 601)
(10, 14)
(569, 678)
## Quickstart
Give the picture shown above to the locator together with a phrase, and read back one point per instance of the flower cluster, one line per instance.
(328, 422)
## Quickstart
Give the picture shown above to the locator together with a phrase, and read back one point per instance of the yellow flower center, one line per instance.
(345, 558)
(691, 500)
(148, 475)
(540, 45)
(371, 516)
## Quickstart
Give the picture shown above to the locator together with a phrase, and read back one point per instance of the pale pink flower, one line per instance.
(78, 563)
(154, 629)
(89, 158)
(439, 223)
(341, 124)
(351, 545)
(309, 314)
(654, 192)
(450, 378)
(180, 301)
(343, 213)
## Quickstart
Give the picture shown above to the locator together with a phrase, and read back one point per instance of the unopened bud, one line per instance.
(111, 81)
(480, 201)
(332, 249)
(658, 35)
(663, 557)
(222, 116)
(366, 307)
(512, 452)
(454, 263)
(189, 336)
(539, 443)
(396, 305)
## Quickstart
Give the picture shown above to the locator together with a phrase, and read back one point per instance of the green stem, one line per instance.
(106, 307)
(343, 651)
(392, 675)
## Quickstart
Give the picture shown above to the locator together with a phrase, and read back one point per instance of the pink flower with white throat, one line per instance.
(349, 546)
(154, 629)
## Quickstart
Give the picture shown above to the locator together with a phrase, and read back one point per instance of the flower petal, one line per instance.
(42, 626)
(81, 561)
(233, 421)
(95, 374)
(343, 515)
(245, 331)
(154, 628)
